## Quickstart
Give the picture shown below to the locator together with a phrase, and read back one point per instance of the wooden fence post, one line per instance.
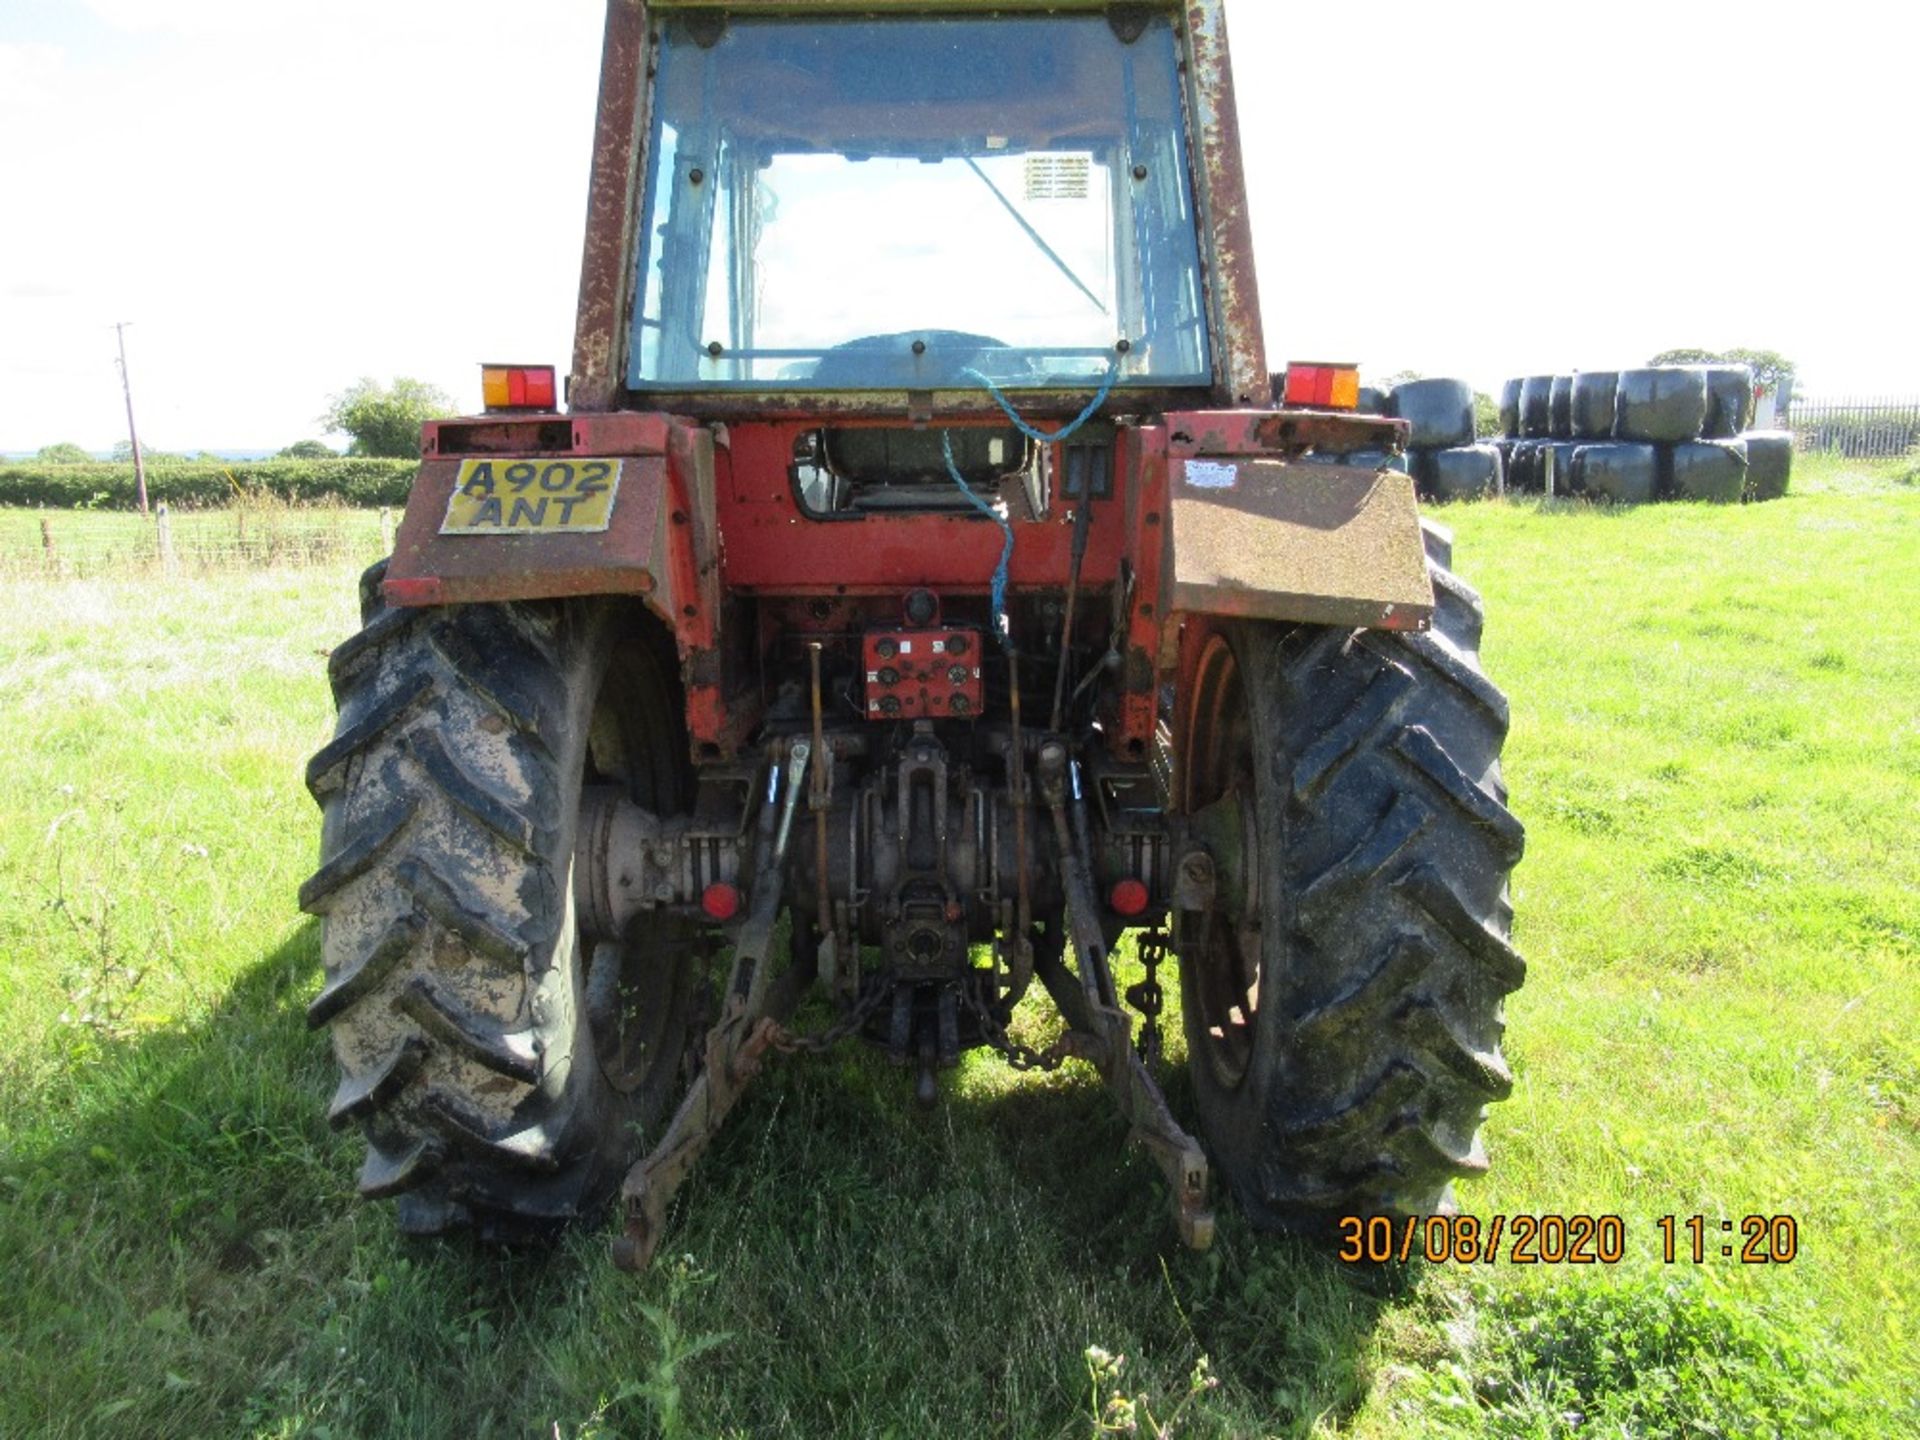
(386, 530)
(164, 521)
(46, 545)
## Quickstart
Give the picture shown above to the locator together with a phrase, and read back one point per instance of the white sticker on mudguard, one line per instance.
(1212, 475)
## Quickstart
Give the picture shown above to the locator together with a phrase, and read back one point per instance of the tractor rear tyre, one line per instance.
(501, 1066)
(1343, 995)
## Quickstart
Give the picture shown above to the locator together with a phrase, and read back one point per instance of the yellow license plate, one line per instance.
(532, 497)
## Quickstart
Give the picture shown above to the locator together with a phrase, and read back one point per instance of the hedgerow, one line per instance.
(201, 484)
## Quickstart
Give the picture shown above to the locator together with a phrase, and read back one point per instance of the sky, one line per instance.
(282, 197)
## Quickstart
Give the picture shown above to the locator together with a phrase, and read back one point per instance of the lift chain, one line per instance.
(1020, 1057)
(850, 1023)
(1147, 997)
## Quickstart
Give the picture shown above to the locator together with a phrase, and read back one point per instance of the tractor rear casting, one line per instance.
(920, 563)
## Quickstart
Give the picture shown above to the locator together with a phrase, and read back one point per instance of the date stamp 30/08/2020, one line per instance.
(1564, 1239)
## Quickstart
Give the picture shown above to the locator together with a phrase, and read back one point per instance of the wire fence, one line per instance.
(94, 544)
(1860, 429)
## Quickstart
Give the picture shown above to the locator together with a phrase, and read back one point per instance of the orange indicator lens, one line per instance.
(519, 387)
(1323, 387)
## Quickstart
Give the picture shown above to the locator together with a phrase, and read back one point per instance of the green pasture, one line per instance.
(1716, 750)
(257, 533)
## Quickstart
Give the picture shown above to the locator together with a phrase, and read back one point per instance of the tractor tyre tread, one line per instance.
(452, 989)
(1395, 845)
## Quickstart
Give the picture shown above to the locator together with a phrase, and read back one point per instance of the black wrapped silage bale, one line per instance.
(1664, 404)
(1513, 455)
(1560, 407)
(1714, 470)
(1536, 407)
(1769, 463)
(1594, 392)
(1461, 472)
(1373, 400)
(1510, 409)
(1729, 401)
(1439, 411)
(1523, 466)
(1626, 474)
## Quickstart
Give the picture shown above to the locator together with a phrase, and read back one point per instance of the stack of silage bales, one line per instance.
(1445, 461)
(1663, 433)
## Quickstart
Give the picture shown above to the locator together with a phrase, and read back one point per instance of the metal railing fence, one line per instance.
(1858, 428)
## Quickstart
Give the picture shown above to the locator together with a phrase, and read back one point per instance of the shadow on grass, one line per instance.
(184, 1252)
(182, 1248)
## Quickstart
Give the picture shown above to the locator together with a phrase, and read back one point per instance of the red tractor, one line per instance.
(922, 562)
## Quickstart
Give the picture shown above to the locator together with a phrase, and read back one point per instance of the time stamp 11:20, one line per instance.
(1564, 1239)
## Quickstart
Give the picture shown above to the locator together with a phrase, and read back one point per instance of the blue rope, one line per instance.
(1000, 573)
(1065, 432)
(1002, 629)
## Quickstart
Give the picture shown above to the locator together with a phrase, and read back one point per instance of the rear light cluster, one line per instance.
(1323, 387)
(519, 387)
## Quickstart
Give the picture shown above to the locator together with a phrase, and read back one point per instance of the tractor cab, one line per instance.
(804, 208)
(879, 209)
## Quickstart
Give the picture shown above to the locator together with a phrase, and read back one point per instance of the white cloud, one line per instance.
(146, 17)
(35, 290)
(29, 76)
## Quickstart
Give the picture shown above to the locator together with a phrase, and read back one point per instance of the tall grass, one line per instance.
(1716, 748)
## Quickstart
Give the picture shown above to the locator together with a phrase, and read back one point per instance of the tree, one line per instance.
(123, 454)
(1770, 368)
(385, 421)
(308, 450)
(65, 453)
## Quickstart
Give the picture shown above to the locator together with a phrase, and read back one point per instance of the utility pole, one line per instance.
(126, 384)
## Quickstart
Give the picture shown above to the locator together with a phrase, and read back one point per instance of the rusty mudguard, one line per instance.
(661, 523)
(661, 543)
(1269, 523)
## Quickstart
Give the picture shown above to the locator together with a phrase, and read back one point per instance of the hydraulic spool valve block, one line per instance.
(923, 674)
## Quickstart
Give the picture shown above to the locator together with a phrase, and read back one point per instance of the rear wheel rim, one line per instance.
(1221, 945)
(635, 979)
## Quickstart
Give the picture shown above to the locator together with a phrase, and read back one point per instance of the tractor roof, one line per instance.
(841, 87)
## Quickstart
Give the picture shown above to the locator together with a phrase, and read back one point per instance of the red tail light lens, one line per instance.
(720, 901)
(1323, 387)
(1129, 898)
(519, 387)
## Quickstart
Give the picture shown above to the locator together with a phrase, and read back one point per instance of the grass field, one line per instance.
(1716, 749)
(261, 531)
